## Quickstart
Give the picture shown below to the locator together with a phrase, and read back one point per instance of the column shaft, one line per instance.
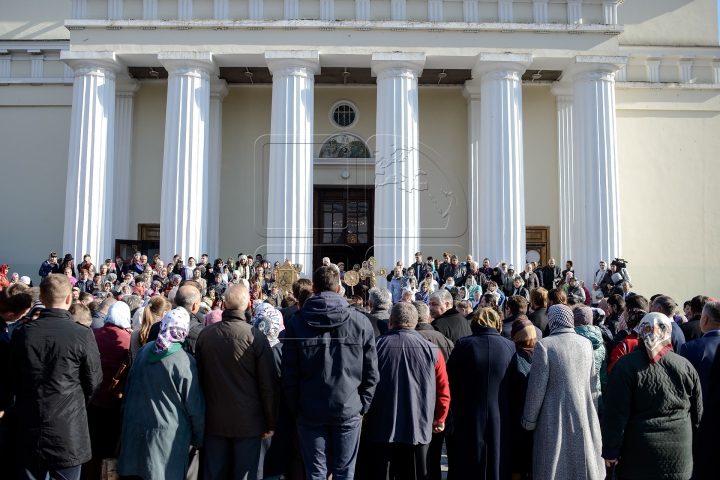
(124, 105)
(183, 212)
(596, 225)
(89, 193)
(501, 184)
(397, 162)
(472, 94)
(290, 192)
(564, 103)
(217, 94)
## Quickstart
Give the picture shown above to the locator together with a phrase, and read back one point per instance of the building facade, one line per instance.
(508, 129)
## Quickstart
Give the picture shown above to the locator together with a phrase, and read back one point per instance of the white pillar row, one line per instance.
(290, 193)
(89, 192)
(501, 184)
(596, 225)
(218, 92)
(564, 101)
(125, 89)
(183, 209)
(397, 159)
(471, 92)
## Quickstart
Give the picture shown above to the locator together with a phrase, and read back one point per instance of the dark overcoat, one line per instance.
(480, 370)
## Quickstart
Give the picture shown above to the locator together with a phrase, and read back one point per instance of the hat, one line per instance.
(511, 267)
(25, 280)
(68, 256)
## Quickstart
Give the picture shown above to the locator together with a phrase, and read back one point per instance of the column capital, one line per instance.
(106, 61)
(126, 86)
(384, 61)
(562, 89)
(471, 90)
(496, 62)
(292, 61)
(175, 61)
(594, 65)
(218, 89)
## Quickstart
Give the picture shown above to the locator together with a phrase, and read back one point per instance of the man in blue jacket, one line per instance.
(701, 352)
(329, 374)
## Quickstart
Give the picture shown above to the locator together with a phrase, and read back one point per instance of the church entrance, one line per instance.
(343, 224)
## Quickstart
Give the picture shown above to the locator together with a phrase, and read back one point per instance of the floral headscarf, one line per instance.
(269, 321)
(655, 330)
(560, 316)
(173, 331)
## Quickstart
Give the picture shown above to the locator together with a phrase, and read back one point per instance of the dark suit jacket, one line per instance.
(691, 329)
(539, 318)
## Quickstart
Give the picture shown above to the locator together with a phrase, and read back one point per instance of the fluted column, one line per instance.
(397, 159)
(218, 91)
(125, 89)
(501, 184)
(290, 193)
(596, 225)
(564, 101)
(184, 204)
(471, 91)
(89, 192)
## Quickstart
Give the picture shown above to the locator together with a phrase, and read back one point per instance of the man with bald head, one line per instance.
(187, 297)
(238, 375)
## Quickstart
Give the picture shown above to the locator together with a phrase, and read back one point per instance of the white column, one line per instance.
(574, 11)
(435, 10)
(540, 12)
(256, 10)
(716, 71)
(6, 65)
(290, 193)
(362, 9)
(327, 9)
(115, 9)
(218, 91)
(183, 210)
(471, 92)
(501, 182)
(185, 9)
(36, 66)
(505, 11)
(220, 10)
(596, 226)
(564, 100)
(124, 104)
(397, 159)
(397, 10)
(653, 70)
(610, 12)
(150, 13)
(89, 192)
(79, 9)
(470, 11)
(291, 9)
(686, 70)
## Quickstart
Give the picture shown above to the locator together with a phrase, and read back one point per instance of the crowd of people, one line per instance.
(209, 370)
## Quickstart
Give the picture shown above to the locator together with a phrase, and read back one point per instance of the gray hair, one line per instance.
(423, 311)
(404, 315)
(443, 295)
(133, 301)
(381, 298)
(518, 277)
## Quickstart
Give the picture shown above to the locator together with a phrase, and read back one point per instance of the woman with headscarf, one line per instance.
(481, 409)
(4, 281)
(652, 408)
(113, 341)
(277, 455)
(471, 286)
(423, 295)
(583, 317)
(163, 409)
(524, 337)
(561, 404)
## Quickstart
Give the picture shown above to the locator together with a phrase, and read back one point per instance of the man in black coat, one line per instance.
(551, 275)
(691, 329)
(447, 320)
(55, 371)
(708, 441)
(516, 308)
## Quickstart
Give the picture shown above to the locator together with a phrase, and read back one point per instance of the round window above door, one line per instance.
(344, 114)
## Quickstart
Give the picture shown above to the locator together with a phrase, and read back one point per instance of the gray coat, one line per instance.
(561, 407)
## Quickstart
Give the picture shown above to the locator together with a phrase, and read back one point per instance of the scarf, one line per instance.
(655, 331)
(119, 315)
(173, 331)
(633, 317)
(583, 316)
(269, 321)
(523, 334)
(560, 316)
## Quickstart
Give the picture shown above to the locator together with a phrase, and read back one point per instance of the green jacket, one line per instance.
(651, 415)
(594, 334)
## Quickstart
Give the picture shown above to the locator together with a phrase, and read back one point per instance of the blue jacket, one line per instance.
(46, 269)
(677, 337)
(329, 368)
(396, 290)
(403, 407)
(701, 353)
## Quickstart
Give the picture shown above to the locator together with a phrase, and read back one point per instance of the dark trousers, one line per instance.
(238, 456)
(406, 462)
(434, 456)
(37, 473)
(336, 445)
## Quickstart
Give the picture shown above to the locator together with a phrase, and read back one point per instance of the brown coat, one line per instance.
(238, 375)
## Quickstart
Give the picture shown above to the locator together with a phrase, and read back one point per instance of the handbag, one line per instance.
(117, 385)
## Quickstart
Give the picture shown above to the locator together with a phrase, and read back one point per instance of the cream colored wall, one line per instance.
(35, 142)
(34, 19)
(670, 213)
(147, 154)
(540, 156)
(669, 22)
